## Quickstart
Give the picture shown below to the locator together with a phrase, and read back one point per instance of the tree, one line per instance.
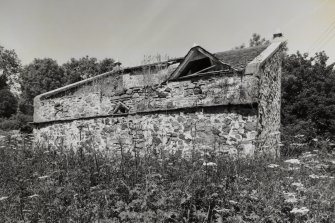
(86, 67)
(44, 75)
(80, 69)
(10, 67)
(40, 76)
(308, 95)
(106, 65)
(8, 103)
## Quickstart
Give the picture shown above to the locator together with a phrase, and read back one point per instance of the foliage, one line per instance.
(10, 66)
(106, 65)
(40, 76)
(47, 184)
(8, 124)
(25, 107)
(15, 122)
(8, 103)
(86, 67)
(308, 95)
(255, 40)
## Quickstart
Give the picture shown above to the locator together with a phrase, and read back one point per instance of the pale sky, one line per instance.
(130, 29)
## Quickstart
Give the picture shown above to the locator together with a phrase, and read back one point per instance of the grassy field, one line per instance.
(47, 185)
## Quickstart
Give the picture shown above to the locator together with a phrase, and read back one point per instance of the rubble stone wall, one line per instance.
(270, 105)
(220, 129)
(101, 98)
(229, 113)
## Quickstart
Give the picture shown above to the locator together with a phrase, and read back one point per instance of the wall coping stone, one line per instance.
(254, 66)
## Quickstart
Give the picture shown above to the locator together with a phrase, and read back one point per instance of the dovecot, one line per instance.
(227, 101)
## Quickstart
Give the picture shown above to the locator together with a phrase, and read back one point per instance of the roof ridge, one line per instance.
(244, 49)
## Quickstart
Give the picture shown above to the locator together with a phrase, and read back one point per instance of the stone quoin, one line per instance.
(228, 102)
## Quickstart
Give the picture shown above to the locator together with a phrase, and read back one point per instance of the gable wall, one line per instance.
(270, 105)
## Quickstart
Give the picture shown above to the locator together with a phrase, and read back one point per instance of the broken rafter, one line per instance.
(201, 74)
(190, 75)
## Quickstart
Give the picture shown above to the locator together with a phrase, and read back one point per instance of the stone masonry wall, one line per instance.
(228, 113)
(219, 129)
(269, 105)
(101, 99)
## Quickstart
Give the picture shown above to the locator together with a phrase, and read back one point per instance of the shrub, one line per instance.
(17, 122)
(8, 124)
(8, 103)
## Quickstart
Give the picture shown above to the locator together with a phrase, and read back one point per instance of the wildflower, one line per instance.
(313, 176)
(302, 210)
(291, 200)
(292, 161)
(315, 139)
(293, 168)
(299, 136)
(299, 186)
(3, 198)
(289, 178)
(43, 177)
(233, 202)
(223, 211)
(288, 194)
(209, 164)
(308, 154)
(273, 165)
(320, 166)
(290, 197)
(32, 196)
(281, 144)
(296, 184)
(301, 189)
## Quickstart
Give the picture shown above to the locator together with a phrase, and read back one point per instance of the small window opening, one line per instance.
(121, 109)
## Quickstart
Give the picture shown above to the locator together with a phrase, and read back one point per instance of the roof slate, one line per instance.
(238, 59)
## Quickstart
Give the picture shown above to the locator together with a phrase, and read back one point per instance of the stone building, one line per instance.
(227, 102)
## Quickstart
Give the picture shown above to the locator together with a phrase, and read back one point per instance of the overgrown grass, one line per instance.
(49, 185)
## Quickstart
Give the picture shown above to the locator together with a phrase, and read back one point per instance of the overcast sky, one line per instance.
(129, 29)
